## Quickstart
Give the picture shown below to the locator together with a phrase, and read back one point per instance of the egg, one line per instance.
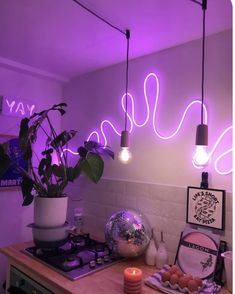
(174, 268)
(174, 279)
(183, 282)
(179, 273)
(188, 276)
(166, 276)
(192, 285)
(198, 281)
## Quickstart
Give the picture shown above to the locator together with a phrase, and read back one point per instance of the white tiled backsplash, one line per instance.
(164, 207)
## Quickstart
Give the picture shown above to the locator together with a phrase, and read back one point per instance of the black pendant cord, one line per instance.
(127, 75)
(127, 34)
(203, 62)
(99, 17)
(203, 4)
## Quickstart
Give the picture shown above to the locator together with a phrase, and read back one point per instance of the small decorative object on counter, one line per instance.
(150, 254)
(132, 280)
(127, 233)
(161, 255)
(78, 221)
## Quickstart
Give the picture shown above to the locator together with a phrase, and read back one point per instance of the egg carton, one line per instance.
(185, 290)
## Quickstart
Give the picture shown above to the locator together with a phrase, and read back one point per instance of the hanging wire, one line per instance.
(203, 60)
(203, 4)
(127, 74)
(100, 17)
(195, 1)
(127, 34)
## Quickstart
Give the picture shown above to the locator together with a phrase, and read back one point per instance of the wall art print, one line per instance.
(206, 207)
(197, 252)
(12, 177)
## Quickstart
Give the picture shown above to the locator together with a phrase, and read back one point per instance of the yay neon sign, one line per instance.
(16, 107)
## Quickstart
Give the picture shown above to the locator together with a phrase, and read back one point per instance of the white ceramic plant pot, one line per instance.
(50, 212)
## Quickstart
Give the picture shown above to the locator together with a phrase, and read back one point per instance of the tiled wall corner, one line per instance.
(163, 206)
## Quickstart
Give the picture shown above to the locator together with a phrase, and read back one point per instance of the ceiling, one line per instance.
(60, 39)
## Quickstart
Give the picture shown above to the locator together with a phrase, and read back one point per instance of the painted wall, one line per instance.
(156, 180)
(14, 217)
(96, 96)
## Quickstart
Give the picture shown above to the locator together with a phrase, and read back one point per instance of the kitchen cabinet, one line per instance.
(108, 280)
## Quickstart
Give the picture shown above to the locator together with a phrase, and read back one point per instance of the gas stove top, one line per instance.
(79, 257)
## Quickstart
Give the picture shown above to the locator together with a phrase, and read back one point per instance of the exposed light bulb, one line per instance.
(125, 155)
(201, 156)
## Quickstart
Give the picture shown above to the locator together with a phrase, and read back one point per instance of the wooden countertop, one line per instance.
(109, 280)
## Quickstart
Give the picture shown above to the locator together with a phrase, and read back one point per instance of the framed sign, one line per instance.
(197, 252)
(205, 207)
(12, 176)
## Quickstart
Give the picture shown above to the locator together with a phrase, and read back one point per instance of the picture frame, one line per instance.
(206, 207)
(12, 178)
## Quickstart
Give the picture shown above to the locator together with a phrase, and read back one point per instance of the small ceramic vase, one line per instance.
(161, 255)
(150, 254)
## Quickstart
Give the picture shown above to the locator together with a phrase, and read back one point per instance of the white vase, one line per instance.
(161, 255)
(50, 212)
(150, 254)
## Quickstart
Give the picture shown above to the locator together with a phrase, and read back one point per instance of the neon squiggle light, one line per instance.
(132, 122)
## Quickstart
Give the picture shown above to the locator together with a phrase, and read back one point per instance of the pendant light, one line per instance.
(125, 155)
(201, 157)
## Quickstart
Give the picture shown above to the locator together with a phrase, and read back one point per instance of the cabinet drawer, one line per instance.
(24, 284)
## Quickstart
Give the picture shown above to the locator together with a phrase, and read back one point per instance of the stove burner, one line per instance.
(71, 262)
(79, 257)
(80, 240)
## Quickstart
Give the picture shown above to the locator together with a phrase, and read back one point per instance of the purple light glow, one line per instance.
(133, 122)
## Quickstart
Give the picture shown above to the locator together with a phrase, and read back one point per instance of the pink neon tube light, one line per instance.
(95, 135)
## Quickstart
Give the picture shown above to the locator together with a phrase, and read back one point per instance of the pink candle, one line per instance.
(132, 280)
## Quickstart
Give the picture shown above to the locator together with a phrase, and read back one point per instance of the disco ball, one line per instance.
(127, 233)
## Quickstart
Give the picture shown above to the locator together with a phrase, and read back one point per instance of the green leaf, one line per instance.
(70, 175)
(76, 171)
(48, 151)
(99, 148)
(28, 199)
(24, 126)
(73, 173)
(59, 171)
(82, 151)
(26, 188)
(63, 138)
(92, 166)
(41, 166)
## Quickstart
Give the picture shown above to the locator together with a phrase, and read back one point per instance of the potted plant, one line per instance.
(44, 181)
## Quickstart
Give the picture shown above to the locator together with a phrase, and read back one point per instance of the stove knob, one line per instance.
(99, 260)
(106, 258)
(92, 263)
